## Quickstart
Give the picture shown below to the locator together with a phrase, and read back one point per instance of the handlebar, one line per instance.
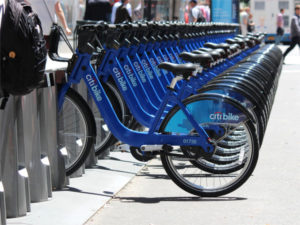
(55, 35)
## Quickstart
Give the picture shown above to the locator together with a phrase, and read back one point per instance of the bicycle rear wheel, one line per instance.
(75, 131)
(205, 176)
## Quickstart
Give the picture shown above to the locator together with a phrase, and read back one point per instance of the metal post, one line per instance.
(14, 175)
(48, 128)
(2, 205)
(21, 149)
(35, 162)
(2, 196)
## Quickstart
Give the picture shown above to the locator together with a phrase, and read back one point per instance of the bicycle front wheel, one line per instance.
(203, 176)
(105, 138)
(75, 131)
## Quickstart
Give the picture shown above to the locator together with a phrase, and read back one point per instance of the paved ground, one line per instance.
(271, 195)
(84, 195)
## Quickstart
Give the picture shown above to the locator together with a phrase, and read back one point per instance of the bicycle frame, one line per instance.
(130, 83)
(84, 70)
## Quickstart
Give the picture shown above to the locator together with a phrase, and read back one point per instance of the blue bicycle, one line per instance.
(186, 137)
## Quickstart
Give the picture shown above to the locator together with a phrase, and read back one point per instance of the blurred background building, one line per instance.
(265, 16)
(264, 11)
(141, 9)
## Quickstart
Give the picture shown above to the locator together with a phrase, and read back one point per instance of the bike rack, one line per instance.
(48, 127)
(14, 173)
(27, 151)
(2, 205)
(36, 162)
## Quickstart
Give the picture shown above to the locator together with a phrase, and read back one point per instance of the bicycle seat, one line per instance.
(240, 36)
(205, 49)
(240, 42)
(254, 39)
(250, 43)
(234, 48)
(222, 52)
(215, 54)
(223, 46)
(204, 59)
(186, 69)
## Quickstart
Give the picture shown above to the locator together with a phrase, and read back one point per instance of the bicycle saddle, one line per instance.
(240, 42)
(222, 52)
(255, 39)
(185, 69)
(250, 43)
(234, 48)
(223, 46)
(204, 59)
(215, 54)
(240, 36)
(205, 49)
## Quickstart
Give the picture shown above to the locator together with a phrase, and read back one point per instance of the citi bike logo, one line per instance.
(152, 61)
(140, 72)
(130, 75)
(223, 116)
(120, 79)
(147, 68)
(93, 84)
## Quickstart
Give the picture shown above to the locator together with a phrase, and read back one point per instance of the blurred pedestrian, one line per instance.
(97, 10)
(122, 13)
(279, 30)
(251, 24)
(116, 6)
(195, 12)
(295, 31)
(244, 17)
(207, 10)
(47, 11)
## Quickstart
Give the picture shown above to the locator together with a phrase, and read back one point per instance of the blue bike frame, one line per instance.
(84, 70)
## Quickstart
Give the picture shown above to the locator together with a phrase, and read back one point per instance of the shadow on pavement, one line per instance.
(153, 176)
(106, 168)
(149, 200)
(76, 190)
(121, 160)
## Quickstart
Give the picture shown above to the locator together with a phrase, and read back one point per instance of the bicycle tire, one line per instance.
(188, 181)
(75, 131)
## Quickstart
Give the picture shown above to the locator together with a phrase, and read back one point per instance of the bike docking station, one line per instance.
(28, 148)
(47, 99)
(202, 92)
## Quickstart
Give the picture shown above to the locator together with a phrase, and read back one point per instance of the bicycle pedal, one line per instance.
(123, 148)
(151, 148)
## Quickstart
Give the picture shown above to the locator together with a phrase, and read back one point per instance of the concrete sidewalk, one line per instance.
(84, 195)
(270, 196)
